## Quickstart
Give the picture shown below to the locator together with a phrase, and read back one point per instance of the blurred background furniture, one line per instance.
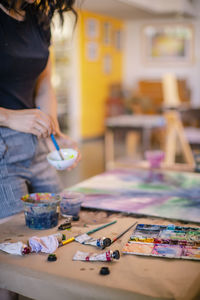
(153, 90)
(136, 127)
(142, 124)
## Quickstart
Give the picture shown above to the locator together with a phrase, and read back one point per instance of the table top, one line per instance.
(142, 277)
(136, 121)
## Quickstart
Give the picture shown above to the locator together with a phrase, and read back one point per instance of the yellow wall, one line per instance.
(94, 81)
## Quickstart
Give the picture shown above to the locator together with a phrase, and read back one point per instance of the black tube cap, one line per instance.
(75, 218)
(104, 271)
(116, 254)
(106, 242)
(52, 257)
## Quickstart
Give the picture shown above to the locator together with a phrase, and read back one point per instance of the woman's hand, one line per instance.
(30, 121)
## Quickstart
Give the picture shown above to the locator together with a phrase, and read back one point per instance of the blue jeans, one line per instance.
(23, 169)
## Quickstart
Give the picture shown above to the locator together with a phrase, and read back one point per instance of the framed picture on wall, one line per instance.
(118, 40)
(92, 28)
(168, 43)
(92, 51)
(107, 64)
(107, 33)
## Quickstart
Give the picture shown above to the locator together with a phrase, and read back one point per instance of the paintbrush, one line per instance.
(122, 233)
(56, 144)
(89, 232)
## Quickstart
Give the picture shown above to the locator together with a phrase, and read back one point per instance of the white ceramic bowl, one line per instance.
(69, 154)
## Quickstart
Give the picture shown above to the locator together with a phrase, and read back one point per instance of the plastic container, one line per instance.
(40, 210)
(70, 204)
(155, 157)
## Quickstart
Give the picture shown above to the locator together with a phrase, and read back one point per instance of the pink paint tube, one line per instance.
(105, 256)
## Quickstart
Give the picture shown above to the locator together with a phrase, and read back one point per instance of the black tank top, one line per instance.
(23, 56)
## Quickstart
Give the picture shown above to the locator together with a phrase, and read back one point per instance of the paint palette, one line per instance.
(70, 155)
(164, 241)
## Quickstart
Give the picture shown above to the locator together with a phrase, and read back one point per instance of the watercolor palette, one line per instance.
(164, 241)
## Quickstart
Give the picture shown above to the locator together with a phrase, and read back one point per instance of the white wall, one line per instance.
(74, 118)
(135, 68)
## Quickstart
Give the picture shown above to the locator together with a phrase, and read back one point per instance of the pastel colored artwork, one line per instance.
(169, 195)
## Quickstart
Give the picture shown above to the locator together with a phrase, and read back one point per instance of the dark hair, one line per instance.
(43, 9)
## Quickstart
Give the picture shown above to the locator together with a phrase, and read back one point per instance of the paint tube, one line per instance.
(46, 244)
(105, 256)
(85, 239)
(59, 236)
(13, 248)
(100, 243)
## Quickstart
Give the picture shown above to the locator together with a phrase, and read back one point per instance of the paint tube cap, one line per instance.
(75, 218)
(106, 242)
(104, 271)
(116, 254)
(52, 257)
(26, 250)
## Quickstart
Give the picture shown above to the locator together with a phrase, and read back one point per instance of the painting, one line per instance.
(92, 51)
(168, 43)
(92, 28)
(107, 64)
(107, 31)
(118, 40)
(161, 194)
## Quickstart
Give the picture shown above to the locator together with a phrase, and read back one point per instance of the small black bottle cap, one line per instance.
(52, 257)
(116, 254)
(75, 218)
(104, 271)
(106, 242)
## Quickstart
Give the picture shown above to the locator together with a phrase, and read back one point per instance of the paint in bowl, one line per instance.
(40, 210)
(70, 155)
(70, 203)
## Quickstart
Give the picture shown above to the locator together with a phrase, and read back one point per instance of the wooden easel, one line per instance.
(174, 126)
(174, 133)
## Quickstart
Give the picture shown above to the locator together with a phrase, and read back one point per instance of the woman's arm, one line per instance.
(3, 116)
(45, 96)
(46, 100)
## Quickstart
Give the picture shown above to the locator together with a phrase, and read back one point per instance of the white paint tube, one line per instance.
(46, 244)
(105, 256)
(100, 243)
(13, 248)
(85, 239)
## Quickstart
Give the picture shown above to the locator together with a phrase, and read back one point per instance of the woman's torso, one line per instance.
(23, 56)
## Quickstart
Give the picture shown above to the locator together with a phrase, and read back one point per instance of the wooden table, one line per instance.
(134, 127)
(132, 277)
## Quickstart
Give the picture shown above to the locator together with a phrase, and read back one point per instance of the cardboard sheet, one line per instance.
(132, 277)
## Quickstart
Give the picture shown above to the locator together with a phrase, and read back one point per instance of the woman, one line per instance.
(25, 85)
